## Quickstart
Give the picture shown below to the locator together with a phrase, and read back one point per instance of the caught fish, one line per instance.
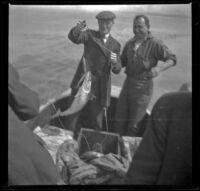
(81, 98)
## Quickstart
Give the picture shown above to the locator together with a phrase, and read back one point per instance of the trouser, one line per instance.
(95, 112)
(132, 104)
(93, 118)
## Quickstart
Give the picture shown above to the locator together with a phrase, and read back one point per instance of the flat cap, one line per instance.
(106, 15)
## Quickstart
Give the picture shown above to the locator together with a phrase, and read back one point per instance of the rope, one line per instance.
(64, 127)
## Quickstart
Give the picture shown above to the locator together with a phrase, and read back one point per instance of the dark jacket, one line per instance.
(164, 156)
(98, 62)
(24, 102)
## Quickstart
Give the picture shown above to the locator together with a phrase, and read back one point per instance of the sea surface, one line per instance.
(47, 60)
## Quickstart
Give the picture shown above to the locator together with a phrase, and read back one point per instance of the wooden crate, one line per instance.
(88, 138)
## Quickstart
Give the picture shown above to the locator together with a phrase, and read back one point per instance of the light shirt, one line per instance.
(137, 45)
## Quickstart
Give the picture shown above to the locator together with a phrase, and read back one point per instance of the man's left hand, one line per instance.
(153, 73)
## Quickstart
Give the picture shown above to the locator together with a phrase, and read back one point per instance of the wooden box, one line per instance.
(89, 140)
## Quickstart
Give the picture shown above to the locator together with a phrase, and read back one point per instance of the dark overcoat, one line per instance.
(97, 57)
(164, 156)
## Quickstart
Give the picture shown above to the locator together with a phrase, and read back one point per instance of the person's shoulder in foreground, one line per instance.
(173, 99)
(164, 156)
(24, 101)
(29, 163)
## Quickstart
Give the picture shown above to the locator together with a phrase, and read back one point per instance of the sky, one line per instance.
(174, 9)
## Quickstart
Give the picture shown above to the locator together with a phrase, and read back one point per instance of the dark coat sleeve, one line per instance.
(24, 102)
(77, 36)
(29, 163)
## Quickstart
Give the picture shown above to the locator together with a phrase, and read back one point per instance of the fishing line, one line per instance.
(102, 142)
(98, 43)
(64, 128)
(105, 112)
(88, 145)
(58, 116)
(105, 48)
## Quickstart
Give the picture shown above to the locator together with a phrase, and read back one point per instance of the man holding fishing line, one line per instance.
(101, 55)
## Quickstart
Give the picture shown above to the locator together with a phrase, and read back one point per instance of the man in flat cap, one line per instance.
(101, 55)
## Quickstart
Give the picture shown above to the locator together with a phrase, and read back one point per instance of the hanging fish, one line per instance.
(81, 98)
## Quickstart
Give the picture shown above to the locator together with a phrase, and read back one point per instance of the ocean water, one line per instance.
(46, 59)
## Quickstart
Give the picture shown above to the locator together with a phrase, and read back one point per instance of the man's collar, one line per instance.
(105, 37)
